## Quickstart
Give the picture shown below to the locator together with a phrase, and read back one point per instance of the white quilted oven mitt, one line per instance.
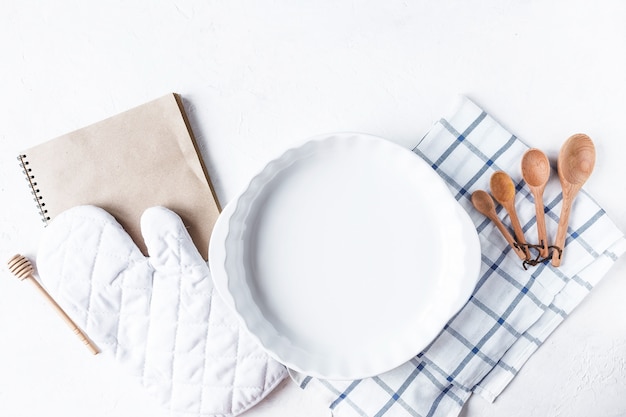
(159, 317)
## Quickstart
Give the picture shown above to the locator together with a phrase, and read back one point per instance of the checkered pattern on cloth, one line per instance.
(512, 311)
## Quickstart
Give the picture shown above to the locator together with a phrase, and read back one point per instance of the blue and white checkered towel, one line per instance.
(512, 311)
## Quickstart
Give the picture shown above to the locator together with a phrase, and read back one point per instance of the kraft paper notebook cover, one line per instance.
(144, 157)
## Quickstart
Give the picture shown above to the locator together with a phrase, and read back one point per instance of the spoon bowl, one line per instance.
(483, 202)
(576, 160)
(503, 190)
(502, 187)
(535, 168)
(575, 163)
(536, 172)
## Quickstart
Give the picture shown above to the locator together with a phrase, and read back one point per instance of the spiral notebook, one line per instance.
(146, 156)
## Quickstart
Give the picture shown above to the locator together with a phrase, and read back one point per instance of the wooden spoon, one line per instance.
(574, 164)
(484, 204)
(503, 190)
(536, 172)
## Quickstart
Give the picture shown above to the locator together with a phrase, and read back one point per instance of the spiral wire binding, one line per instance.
(43, 212)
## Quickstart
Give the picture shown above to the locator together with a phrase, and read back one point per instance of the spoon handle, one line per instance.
(561, 232)
(507, 236)
(541, 225)
(517, 228)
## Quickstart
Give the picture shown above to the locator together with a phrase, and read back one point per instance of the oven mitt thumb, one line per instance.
(158, 316)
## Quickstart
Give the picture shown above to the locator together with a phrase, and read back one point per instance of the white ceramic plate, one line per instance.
(345, 257)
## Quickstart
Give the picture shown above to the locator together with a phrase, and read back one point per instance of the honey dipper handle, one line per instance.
(81, 335)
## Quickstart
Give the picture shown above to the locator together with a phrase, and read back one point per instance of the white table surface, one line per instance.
(259, 76)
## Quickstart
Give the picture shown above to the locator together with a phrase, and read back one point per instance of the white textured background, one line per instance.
(258, 76)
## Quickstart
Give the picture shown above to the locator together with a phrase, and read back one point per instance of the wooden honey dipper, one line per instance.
(21, 267)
